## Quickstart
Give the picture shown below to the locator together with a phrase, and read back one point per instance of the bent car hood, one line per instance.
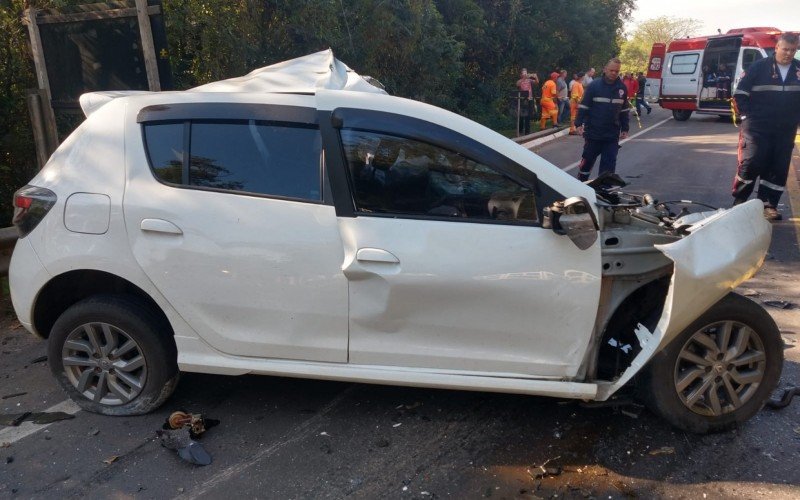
(721, 251)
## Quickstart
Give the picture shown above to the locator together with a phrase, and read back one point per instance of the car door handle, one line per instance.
(159, 226)
(376, 255)
(693, 80)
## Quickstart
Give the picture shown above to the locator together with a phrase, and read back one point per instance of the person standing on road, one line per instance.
(768, 102)
(587, 78)
(563, 96)
(642, 81)
(526, 103)
(548, 102)
(575, 97)
(632, 86)
(603, 120)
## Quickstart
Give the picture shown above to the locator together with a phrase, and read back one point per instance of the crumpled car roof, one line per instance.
(306, 74)
(302, 75)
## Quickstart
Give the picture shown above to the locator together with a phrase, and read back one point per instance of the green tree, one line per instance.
(636, 47)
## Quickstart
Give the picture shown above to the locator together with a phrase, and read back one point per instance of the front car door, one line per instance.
(227, 214)
(448, 265)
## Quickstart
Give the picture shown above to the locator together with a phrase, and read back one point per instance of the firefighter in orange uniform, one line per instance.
(575, 96)
(548, 102)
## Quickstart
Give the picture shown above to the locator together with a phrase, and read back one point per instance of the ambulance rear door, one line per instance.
(652, 88)
(680, 80)
(720, 66)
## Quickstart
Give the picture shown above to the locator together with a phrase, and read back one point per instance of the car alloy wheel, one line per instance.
(104, 363)
(719, 368)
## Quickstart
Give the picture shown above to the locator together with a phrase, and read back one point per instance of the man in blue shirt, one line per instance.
(603, 120)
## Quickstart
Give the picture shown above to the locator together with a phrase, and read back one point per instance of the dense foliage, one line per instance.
(635, 51)
(463, 55)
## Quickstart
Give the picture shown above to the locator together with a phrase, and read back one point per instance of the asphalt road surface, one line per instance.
(289, 438)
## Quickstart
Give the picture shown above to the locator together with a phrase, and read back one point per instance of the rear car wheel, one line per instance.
(681, 114)
(113, 355)
(718, 372)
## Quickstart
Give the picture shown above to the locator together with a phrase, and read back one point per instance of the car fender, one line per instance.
(719, 253)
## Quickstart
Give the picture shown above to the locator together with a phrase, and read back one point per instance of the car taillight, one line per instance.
(31, 204)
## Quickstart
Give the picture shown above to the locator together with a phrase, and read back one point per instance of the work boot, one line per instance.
(771, 214)
(649, 110)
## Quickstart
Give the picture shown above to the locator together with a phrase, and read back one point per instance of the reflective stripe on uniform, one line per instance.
(770, 185)
(742, 92)
(775, 88)
(743, 181)
(601, 99)
(617, 101)
(583, 106)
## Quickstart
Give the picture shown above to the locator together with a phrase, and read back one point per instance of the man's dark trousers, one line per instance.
(763, 154)
(607, 150)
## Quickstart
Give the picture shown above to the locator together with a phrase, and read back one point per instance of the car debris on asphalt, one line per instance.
(780, 304)
(179, 431)
(44, 417)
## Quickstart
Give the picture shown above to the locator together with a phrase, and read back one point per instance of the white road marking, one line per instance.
(637, 134)
(13, 434)
(296, 433)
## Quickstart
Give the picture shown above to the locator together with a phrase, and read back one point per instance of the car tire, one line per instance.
(702, 387)
(114, 355)
(681, 115)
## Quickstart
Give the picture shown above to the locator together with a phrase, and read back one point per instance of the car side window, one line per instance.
(239, 155)
(400, 176)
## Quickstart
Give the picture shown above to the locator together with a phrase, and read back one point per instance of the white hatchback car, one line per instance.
(299, 222)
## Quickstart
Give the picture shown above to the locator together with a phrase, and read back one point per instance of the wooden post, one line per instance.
(148, 47)
(49, 117)
(35, 105)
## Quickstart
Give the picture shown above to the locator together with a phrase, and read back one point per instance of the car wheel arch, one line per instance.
(643, 305)
(69, 288)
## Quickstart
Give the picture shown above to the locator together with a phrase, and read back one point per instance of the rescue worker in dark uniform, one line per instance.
(603, 117)
(768, 102)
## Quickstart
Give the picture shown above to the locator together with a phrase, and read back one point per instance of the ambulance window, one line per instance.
(749, 57)
(684, 64)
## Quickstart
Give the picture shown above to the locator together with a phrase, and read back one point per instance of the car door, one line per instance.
(226, 214)
(448, 265)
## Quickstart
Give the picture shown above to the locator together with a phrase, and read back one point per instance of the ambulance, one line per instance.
(700, 74)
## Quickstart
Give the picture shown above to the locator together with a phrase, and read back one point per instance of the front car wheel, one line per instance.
(718, 372)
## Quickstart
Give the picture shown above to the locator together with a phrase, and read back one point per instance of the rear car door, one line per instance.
(226, 212)
(448, 265)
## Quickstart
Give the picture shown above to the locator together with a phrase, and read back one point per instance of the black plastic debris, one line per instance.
(181, 441)
(50, 417)
(195, 454)
(13, 419)
(780, 304)
(14, 395)
(40, 359)
(786, 398)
